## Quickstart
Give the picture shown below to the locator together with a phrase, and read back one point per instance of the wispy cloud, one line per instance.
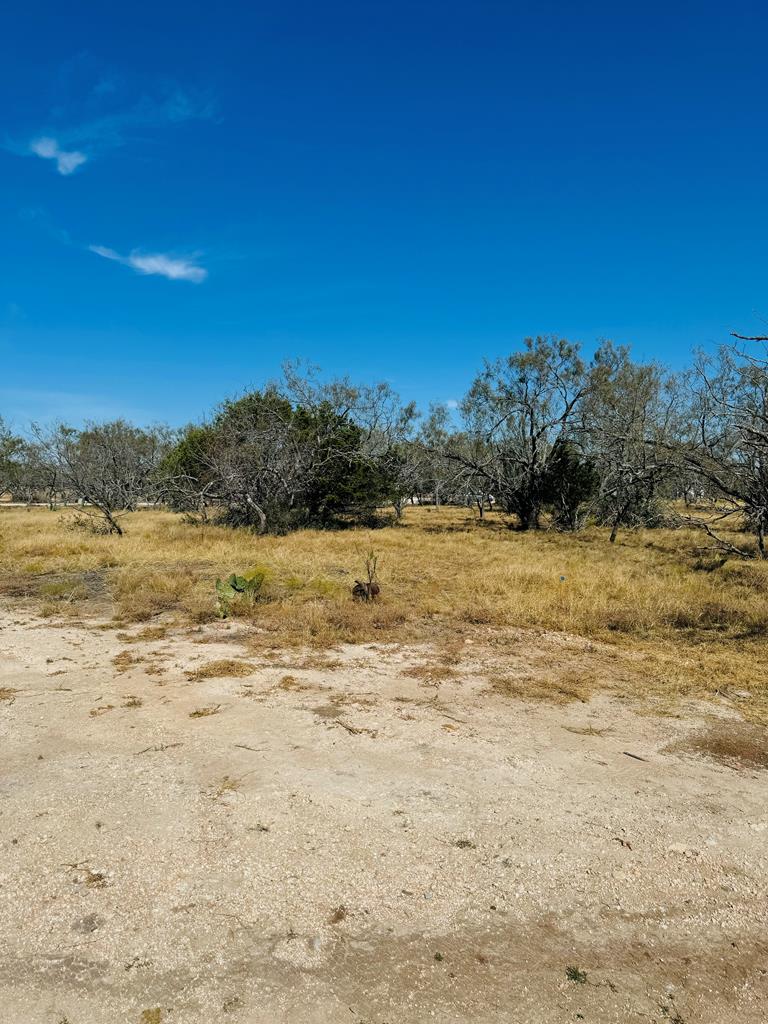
(172, 265)
(38, 218)
(452, 403)
(112, 129)
(175, 268)
(67, 161)
(106, 116)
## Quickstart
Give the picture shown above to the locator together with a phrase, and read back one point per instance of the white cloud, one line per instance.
(67, 161)
(175, 268)
(452, 403)
(109, 117)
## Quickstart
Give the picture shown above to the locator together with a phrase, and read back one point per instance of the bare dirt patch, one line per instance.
(353, 846)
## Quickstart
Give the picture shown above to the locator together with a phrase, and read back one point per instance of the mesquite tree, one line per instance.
(629, 415)
(11, 449)
(516, 412)
(301, 454)
(727, 443)
(108, 467)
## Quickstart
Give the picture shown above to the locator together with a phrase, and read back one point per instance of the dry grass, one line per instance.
(102, 709)
(292, 683)
(690, 622)
(432, 674)
(224, 668)
(148, 633)
(738, 745)
(205, 712)
(587, 730)
(559, 687)
(125, 661)
(227, 785)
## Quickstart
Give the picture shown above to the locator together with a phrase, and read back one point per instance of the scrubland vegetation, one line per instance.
(503, 519)
(541, 434)
(672, 617)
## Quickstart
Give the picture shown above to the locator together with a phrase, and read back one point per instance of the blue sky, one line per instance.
(192, 193)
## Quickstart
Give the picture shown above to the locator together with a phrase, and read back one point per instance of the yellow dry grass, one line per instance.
(682, 622)
(225, 667)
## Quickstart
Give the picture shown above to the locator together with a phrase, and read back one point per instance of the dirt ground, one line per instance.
(346, 838)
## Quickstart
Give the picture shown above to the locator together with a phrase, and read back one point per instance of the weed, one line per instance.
(227, 785)
(125, 660)
(137, 963)
(432, 675)
(205, 712)
(84, 875)
(102, 709)
(368, 589)
(292, 683)
(148, 633)
(576, 975)
(671, 1014)
(587, 730)
(234, 1003)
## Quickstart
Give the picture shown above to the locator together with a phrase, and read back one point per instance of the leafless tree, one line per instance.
(628, 418)
(727, 443)
(11, 449)
(107, 467)
(38, 478)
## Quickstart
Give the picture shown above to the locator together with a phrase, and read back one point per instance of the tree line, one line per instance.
(542, 435)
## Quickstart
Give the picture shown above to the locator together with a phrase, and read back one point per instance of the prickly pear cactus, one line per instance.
(235, 587)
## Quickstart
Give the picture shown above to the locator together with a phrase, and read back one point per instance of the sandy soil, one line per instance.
(355, 844)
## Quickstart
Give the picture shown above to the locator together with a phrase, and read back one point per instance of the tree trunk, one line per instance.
(114, 526)
(529, 518)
